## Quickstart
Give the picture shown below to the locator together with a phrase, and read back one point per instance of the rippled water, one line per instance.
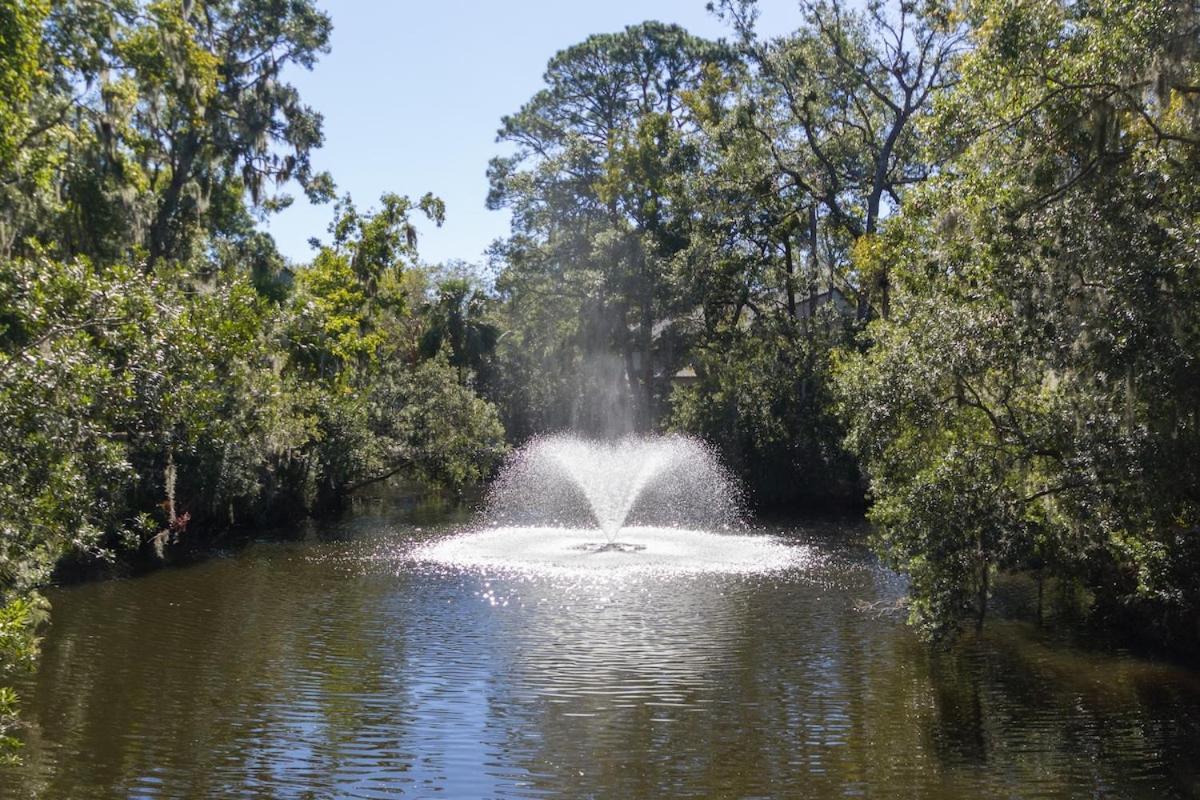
(340, 666)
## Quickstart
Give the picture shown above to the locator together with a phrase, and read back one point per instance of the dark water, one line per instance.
(331, 668)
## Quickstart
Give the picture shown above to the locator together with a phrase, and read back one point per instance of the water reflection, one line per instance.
(333, 668)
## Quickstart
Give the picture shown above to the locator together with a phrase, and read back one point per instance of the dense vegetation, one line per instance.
(1033, 401)
(945, 253)
(945, 256)
(163, 374)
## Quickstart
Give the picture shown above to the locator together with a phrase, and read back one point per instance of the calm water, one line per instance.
(332, 667)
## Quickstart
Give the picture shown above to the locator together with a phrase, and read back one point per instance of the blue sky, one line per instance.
(413, 93)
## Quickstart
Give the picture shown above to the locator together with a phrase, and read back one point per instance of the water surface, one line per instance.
(334, 666)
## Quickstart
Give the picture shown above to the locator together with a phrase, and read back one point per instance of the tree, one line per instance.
(763, 270)
(354, 332)
(458, 320)
(164, 116)
(594, 220)
(763, 395)
(1032, 403)
(837, 105)
(20, 41)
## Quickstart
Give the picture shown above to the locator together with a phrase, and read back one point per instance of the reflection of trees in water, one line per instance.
(206, 681)
(283, 673)
(803, 694)
(1040, 711)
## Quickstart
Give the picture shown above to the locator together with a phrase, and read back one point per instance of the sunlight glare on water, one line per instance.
(568, 551)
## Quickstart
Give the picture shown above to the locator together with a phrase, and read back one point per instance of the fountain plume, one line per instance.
(670, 480)
(565, 505)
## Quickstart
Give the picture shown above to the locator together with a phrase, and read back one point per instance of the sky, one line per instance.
(413, 92)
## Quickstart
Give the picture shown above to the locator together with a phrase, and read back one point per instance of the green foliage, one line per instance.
(19, 618)
(426, 419)
(20, 41)
(596, 220)
(382, 402)
(164, 375)
(836, 106)
(1033, 402)
(459, 320)
(762, 396)
(61, 469)
(184, 114)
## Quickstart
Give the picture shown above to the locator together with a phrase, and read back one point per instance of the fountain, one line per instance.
(564, 504)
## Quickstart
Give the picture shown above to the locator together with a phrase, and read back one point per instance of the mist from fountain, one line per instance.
(611, 476)
(664, 480)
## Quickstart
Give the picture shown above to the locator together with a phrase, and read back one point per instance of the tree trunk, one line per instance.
(789, 279)
(161, 237)
(1041, 586)
(646, 416)
(983, 592)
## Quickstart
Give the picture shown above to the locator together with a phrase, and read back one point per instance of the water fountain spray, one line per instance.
(644, 504)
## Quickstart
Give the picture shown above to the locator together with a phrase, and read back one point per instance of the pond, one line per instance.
(334, 665)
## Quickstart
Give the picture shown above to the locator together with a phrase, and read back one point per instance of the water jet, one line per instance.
(638, 504)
